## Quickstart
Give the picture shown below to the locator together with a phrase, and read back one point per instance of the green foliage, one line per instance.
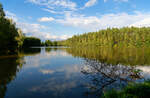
(55, 43)
(137, 90)
(48, 43)
(11, 38)
(51, 43)
(42, 43)
(31, 42)
(123, 37)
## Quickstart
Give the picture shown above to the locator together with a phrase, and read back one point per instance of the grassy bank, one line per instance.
(137, 90)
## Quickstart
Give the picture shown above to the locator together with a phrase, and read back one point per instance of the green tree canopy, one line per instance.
(115, 37)
(11, 38)
(31, 42)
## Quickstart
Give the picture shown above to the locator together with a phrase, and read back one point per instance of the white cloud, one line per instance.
(55, 12)
(55, 5)
(28, 28)
(40, 31)
(46, 19)
(79, 21)
(65, 4)
(90, 3)
(24, 26)
(54, 37)
(52, 11)
(144, 22)
(35, 29)
(93, 23)
(11, 16)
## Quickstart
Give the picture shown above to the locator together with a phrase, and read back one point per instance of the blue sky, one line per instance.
(61, 19)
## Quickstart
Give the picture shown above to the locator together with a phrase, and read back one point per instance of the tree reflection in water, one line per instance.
(104, 76)
(8, 69)
(11, 65)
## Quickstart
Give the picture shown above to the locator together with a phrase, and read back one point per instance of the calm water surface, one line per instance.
(65, 73)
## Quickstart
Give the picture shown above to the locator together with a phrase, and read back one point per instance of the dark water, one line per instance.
(70, 72)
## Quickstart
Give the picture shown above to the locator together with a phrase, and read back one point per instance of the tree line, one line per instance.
(51, 43)
(113, 37)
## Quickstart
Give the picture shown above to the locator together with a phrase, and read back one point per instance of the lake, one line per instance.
(61, 72)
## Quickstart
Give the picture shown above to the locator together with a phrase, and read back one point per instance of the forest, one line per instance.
(112, 37)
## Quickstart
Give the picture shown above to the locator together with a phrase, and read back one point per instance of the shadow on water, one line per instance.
(8, 70)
